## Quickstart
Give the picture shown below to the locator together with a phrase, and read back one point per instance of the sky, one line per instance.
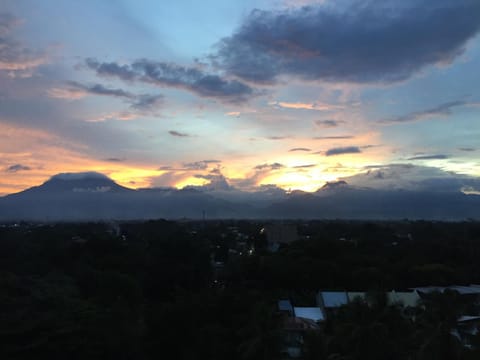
(292, 93)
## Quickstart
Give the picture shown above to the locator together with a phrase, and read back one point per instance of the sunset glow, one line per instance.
(191, 94)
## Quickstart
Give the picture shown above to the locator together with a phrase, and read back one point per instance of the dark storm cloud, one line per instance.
(300, 149)
(178, 134)
(429, 157)
(17, 167)
(327, 123)
(362, 42)
(172, 75)
(440, 110)
(343, 150)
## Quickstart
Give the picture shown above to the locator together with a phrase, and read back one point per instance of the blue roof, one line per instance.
(332, 299)
(312, 313)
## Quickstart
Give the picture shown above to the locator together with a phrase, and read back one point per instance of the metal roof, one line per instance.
(468, 318)
(312, 313)
(333, 299)
(285, 305)
(465, 290)
(429, 289)
(405, 298)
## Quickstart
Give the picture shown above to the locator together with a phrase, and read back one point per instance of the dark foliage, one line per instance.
(151, 290)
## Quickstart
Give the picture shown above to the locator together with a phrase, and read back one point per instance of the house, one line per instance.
(310, 313)
(285, 307)
(297, 321)
(294, 330)
(471, 292)
(403, 298)
(467, 329)
(330, 301)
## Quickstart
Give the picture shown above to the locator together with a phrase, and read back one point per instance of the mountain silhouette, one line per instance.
(93, 196)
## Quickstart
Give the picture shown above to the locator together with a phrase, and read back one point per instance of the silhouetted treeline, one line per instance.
(152, 290)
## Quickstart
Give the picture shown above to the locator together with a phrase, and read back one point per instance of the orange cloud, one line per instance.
(47, 155)
(115, 115)
(66, 93)
(306, 106)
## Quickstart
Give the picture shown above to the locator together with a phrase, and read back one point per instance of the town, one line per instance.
(240, 290)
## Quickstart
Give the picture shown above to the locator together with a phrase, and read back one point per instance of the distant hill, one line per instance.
(94, 196)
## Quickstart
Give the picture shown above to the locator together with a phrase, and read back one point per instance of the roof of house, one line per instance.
(463, 290)
(429, 289)
(312, 313)
(466, 290)
(352, 295)
(333, 299)
(466, 318)
(285, 305)
(410, 298)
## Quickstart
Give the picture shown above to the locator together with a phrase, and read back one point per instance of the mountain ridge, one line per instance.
(94, 196)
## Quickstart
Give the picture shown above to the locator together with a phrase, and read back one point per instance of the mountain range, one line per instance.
(371, 195)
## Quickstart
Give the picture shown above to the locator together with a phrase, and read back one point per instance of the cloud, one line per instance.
(17, 167)
(466, 149)
(199, 165)
(343, 150)
(195, 166)
(353, 41)
(15, 59)
(114, 159)
(444, 109)
(300, 149)
(75, 90)
(277, 137)
(413, 177)
(273, 166)
(340, 137)
(305, 106)
(178, 134)
(216, 180)
(429, 157)
(259, 173)
(115, 115)
(306, 166)
(171, 75)
(147, 102)
(328, 123)
(169, 179)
